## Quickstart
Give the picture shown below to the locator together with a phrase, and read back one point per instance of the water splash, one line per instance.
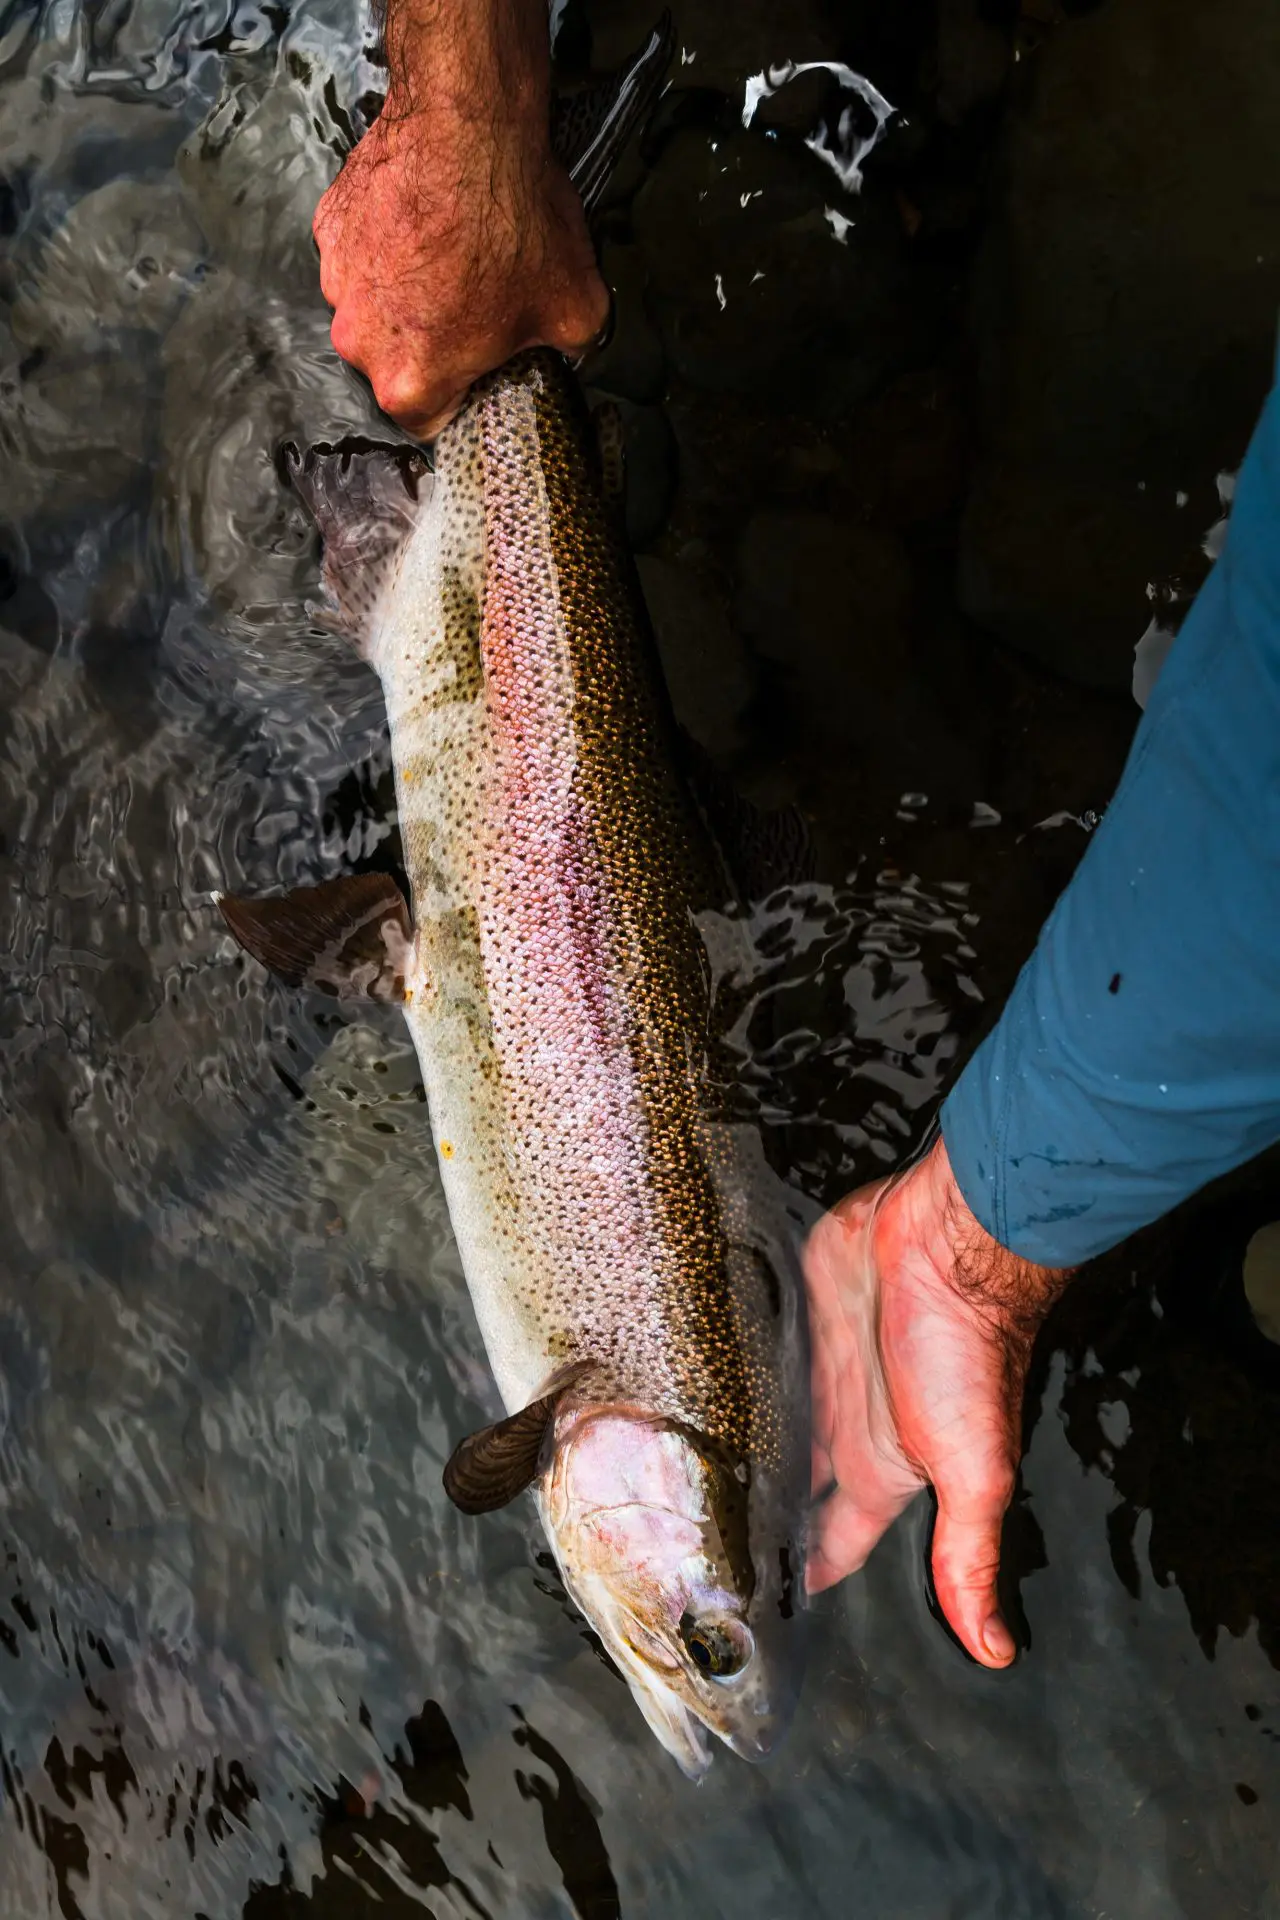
(846, 149)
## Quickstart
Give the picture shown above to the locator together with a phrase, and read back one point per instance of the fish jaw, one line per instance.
(677, 1729)
(632, 1512)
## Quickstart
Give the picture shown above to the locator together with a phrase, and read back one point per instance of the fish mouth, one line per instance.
(754, 1746)
(677, 1728)
(682, 1730)
(679, 1725)
(627, 1535)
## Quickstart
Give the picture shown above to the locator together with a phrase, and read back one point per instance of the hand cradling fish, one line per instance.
(629, 1255)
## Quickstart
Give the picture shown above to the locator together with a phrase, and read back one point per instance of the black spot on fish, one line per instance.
(1115, 984)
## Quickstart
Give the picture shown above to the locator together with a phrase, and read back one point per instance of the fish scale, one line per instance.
(589, 997)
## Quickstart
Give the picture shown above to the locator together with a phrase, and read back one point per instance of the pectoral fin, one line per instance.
(351, 937)
(488, 1469)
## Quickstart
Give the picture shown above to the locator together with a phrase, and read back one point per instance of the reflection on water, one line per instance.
(250, 1660)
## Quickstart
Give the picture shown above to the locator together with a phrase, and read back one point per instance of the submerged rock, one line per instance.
(866, 692)
(830, 604)
(753, 281)
(125, 256)
(707, 669)
(973, 59)
(651, 472)
(632, 365)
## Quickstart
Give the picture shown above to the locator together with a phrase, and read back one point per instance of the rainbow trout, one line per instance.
(629, 1256)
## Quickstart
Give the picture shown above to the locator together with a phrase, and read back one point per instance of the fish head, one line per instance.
(652, 1525)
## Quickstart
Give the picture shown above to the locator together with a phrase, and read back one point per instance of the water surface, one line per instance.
(250, 1659)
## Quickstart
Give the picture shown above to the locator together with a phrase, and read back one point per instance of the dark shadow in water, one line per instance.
(355, 1829)
(1173, 1392)
(571, 1821)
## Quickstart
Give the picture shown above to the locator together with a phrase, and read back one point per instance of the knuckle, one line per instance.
(397, 393)
(580, 317)
(973, 1492)
(976, 1570)
(344, 332)
(420, 406)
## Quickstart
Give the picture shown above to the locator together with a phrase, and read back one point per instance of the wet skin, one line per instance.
(452, 237)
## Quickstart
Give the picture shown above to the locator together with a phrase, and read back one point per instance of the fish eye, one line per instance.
(720, 1647)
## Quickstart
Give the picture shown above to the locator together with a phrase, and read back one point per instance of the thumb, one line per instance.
(966, 1560)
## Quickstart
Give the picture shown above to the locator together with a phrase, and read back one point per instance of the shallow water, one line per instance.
(250, 1659)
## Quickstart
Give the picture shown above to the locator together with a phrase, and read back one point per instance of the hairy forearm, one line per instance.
(1011, 1294)
(452, 238)
(470, 60)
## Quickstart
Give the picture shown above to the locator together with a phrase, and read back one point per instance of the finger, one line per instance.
(331, 281)
(844, 1533)
(348, 336)
(420, 405)
(839, 1293)
(966, 1561)
(407, 397)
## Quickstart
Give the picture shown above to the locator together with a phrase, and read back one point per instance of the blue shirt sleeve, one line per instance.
(1139, 1053)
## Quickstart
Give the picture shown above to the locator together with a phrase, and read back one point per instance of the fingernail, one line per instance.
(997, 1640)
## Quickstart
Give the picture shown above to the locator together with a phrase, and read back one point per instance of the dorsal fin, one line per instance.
(761, 849)
(365, 499)
(611, 441)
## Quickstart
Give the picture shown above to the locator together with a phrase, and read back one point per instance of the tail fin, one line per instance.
(590, 129)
